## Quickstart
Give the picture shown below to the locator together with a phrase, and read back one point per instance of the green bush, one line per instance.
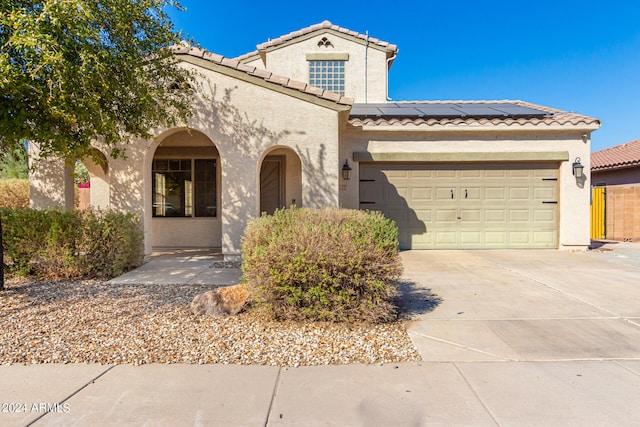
(14, 193)
(326, 265)
(70, 244)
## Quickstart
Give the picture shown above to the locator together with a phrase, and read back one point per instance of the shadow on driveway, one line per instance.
(414, 300)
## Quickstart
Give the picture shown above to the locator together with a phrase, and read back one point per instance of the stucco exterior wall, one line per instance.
(616, 176)
(291, 60)
(50, 182)
(99, 193)
(245, 121)
(574, 197)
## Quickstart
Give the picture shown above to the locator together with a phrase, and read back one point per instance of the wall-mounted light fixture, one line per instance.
(346, 170)
(578, 169)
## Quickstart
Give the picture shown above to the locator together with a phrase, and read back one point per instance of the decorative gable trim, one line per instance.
(327, 27)
(327, 56)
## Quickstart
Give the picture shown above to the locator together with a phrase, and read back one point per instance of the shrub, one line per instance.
(70, 244)
(14, 193)
(328, 265)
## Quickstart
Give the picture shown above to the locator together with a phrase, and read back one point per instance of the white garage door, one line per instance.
(465, 206)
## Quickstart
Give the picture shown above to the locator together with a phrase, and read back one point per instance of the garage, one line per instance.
(465, 205)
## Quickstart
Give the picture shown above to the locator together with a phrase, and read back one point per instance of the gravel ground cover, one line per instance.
(89, 321)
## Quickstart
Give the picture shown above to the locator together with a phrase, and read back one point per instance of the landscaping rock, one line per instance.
(89, 321)
(224, 301)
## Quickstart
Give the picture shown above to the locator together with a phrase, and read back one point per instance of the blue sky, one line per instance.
(581, 56)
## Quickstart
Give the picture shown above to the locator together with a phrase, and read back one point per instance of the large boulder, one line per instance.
(224, 301)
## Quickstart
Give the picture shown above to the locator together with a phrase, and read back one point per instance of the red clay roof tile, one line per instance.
(555, 117)
(324, 25)
(620, 156)
(183, 49)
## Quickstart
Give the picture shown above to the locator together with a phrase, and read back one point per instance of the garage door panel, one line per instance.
(422, 216)
(473, 173)
(446, 215)
(471, 194)
(544, 216)
(519, 215)
(544, 194)
(544, 238)
(421, 194)
(493, 205)
(495, 215)
(471, 216)
(471, 238)
(396, 173)
(495, 238)
(419, 241)
(445, 174)
(519, 173)
(518, 237)
(544, 173)
(444, 193)
(422, 173)
(393, 195)
(499, 174)
(519, 193)
(445, 237)
(495, 194)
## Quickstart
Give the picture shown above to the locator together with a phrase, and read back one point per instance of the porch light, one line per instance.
(578, 169)
(346, 170)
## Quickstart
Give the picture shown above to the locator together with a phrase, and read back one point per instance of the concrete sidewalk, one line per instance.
(535, 338)
(179, 267)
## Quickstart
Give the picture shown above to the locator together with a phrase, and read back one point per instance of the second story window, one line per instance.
(328, 75)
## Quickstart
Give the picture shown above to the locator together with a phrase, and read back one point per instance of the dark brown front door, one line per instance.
(272, 184)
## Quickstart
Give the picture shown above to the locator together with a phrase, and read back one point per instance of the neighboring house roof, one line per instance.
(431, 113)
(322, 26)
(265, 75)
(621, 156)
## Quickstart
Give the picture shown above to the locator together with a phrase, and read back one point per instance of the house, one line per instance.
(615, 176)
(306, 120)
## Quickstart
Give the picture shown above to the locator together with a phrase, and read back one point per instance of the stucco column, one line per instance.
(47, 181)
(239, 199)
(69, 187)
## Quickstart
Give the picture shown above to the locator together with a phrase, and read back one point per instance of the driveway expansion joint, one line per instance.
(273, 396)
(477, 396)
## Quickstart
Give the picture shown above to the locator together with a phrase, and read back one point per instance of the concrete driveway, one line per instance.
(525, 305)
(543, 338)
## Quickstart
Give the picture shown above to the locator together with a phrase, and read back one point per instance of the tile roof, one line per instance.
(620, 156)
(554, 116)
(321, 26)
(248, 55)
(262, 74)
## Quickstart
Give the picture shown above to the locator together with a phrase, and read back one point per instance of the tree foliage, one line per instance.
(14, 162)
(73, 71)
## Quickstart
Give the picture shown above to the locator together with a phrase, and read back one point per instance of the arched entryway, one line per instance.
(185, 187)
(99, 187)
(280, 180)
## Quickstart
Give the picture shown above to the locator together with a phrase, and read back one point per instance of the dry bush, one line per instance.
(327, 265)
(14, 193)
(70, 244)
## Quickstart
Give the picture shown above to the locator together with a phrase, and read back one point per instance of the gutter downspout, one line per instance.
(387, 74)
